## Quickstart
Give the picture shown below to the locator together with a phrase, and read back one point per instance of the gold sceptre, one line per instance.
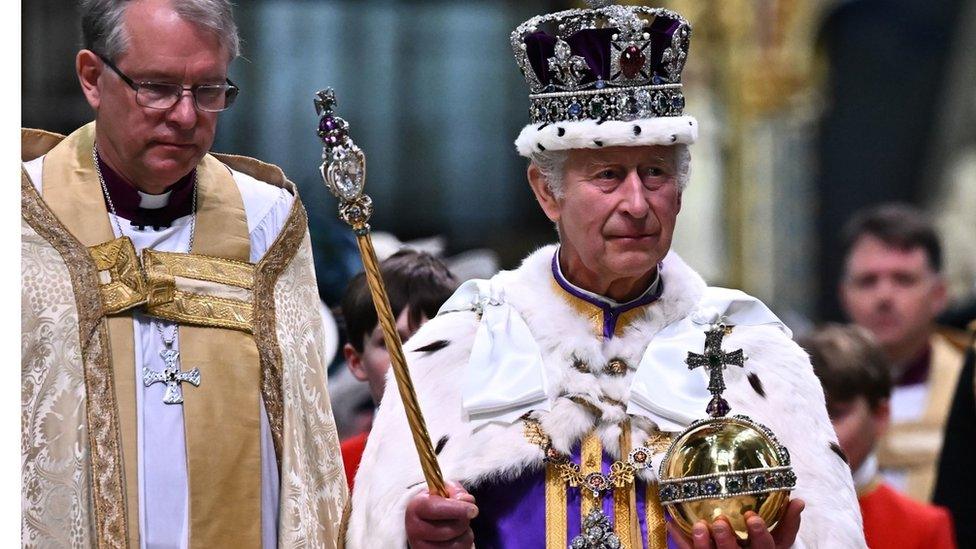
(344, 172)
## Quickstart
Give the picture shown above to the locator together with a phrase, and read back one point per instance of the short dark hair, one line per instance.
(849, 363)
(414, 280)
(898, 225)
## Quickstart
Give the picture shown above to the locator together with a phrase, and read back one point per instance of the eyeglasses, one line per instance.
(160, 95)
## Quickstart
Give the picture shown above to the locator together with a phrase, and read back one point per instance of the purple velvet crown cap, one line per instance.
(595, 47)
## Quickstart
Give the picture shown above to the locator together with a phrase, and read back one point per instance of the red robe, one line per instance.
(352, 452)
(893, 520)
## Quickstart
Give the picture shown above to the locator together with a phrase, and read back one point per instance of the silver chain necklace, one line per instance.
(172, 376)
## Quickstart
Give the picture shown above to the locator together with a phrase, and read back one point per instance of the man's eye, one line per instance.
(905, 279)
(157, 90)
(865, 281)
(837, 413)
(607, 174)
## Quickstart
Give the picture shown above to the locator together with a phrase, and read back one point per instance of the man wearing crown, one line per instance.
(552, 391)
(174, 387)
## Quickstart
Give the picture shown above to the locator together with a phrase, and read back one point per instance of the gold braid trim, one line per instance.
(625, 501)
(264, 326)
(108, 479)
(657, 534)
(557, 523)
(591, 460)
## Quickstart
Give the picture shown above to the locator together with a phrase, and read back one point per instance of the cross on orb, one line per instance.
(714, 360)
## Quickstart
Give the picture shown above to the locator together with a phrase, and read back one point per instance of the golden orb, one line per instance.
(726, 466)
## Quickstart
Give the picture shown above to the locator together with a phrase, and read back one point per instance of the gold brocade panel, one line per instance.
(123, 284)
(200, 290)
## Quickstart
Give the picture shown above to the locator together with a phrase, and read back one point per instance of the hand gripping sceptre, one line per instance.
(344, 172)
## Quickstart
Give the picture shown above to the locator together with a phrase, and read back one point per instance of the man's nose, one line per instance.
(884, 291)
(184, 112)
(634, 201)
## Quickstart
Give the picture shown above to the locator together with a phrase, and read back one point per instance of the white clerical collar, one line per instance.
(866, 473)
(153, 201)
(608, 302)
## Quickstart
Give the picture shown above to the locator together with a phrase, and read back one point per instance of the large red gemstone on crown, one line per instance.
(631, 61)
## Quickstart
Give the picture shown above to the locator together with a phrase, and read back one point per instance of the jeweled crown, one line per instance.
(608, 62)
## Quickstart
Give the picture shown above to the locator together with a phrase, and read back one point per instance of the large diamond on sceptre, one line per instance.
(724, 466)
(344, 172)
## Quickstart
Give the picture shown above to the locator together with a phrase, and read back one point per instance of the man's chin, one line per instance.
(887, 335)
(173, 166)
(635, 264)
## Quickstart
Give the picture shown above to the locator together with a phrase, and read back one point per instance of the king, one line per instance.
(551, 391)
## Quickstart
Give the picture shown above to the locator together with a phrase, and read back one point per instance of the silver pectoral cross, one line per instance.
(171, 376)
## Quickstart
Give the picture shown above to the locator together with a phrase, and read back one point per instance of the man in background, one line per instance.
(417, 284)
(893, 286)
(857, 385)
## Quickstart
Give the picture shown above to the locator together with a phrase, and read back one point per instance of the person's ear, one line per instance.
(540, 188)
(940, 296)
(354, 361)
(882, 417)
(843, 295)
(89, 68)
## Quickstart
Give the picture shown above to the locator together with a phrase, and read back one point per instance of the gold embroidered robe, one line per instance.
(78, 480)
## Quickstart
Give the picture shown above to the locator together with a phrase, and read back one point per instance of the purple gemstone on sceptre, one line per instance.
(331, 140)
(327, 124)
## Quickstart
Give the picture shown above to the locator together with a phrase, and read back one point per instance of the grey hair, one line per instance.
(102, 30)
(551, 165)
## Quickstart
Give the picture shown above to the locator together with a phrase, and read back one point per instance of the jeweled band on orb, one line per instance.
(722, 485)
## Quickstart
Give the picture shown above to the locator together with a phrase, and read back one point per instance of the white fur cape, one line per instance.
(776, 387)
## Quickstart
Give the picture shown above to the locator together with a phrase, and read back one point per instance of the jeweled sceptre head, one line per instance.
(343, 163)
